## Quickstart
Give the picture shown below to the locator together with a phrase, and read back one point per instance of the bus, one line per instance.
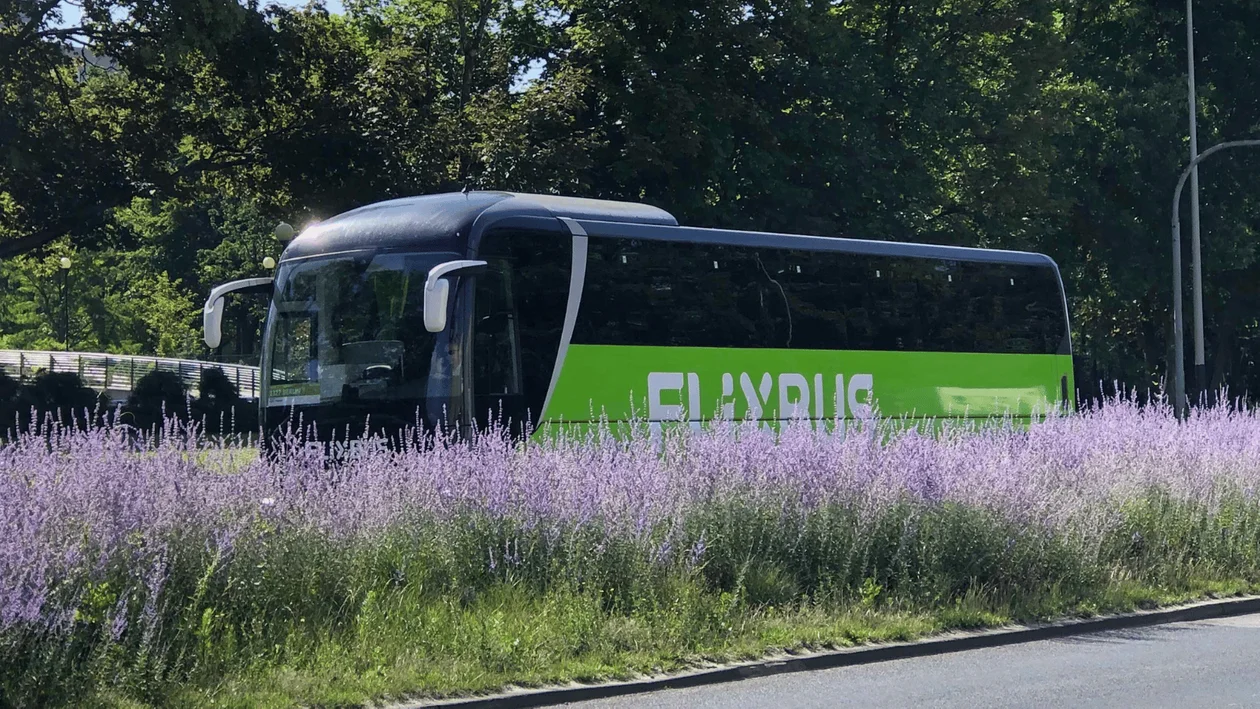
(463, 311)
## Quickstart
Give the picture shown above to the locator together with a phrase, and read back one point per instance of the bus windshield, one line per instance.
(351, 328)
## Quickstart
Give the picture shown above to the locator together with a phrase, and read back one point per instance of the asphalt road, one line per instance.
(1213, 663)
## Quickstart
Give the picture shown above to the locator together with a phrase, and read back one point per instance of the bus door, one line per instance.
(498, 399)
(519, 310)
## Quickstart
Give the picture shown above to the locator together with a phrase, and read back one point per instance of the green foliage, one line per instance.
(219, 406)
(60, 397)
(157, 396)
(124, 299)
(169, 316)
(1055, 125)
(8, 403)
(8, 387)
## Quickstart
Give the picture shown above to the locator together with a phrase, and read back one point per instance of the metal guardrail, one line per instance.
(119, 373)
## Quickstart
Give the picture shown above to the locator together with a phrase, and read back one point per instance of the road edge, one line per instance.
(859, 655)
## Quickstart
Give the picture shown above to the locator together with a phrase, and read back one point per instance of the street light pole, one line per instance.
(65, 302)
(1179, 356)
(1200, 368)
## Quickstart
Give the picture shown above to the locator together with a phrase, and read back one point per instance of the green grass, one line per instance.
(296, 618)
(407, 644)
(510, 636)
(228, 460)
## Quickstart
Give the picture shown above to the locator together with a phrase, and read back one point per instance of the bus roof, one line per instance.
(443, 222)
(771, 240)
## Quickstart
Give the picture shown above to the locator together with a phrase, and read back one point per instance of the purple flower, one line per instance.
(157, 522)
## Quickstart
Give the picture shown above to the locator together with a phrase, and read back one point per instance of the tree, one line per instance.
(76, 146)
(1050, 125)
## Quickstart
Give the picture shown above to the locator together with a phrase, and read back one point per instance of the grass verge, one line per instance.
(509, 636)
(180, 578)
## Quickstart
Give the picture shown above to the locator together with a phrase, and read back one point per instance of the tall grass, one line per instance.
(172, 578)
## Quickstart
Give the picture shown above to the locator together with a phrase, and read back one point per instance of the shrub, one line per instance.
(220, 407)
(59, 397)
(8, 403)
(156, 397)
(8, 387)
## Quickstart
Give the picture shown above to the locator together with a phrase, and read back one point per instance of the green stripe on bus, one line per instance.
(671, 383)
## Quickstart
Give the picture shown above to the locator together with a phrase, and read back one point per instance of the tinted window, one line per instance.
(701, 295)
(496, 333)
(850, 301)
(680, 294)
(519, 309)
(351, 328)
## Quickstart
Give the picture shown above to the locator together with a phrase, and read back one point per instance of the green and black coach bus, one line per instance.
(462, 310)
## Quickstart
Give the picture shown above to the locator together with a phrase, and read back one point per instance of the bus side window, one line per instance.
(1046, 309)
(1003, 308)
(820, 291)
(846, 301)
(672, 294)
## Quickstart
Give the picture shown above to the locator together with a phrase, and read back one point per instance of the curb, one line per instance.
(861, 655)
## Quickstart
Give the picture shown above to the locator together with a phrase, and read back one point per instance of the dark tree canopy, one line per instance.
(1051, 125)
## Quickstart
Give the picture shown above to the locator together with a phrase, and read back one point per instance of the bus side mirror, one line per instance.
(212, 314)
(437, 291)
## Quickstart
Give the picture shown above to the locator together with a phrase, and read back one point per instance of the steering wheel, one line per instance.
(378, 371)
